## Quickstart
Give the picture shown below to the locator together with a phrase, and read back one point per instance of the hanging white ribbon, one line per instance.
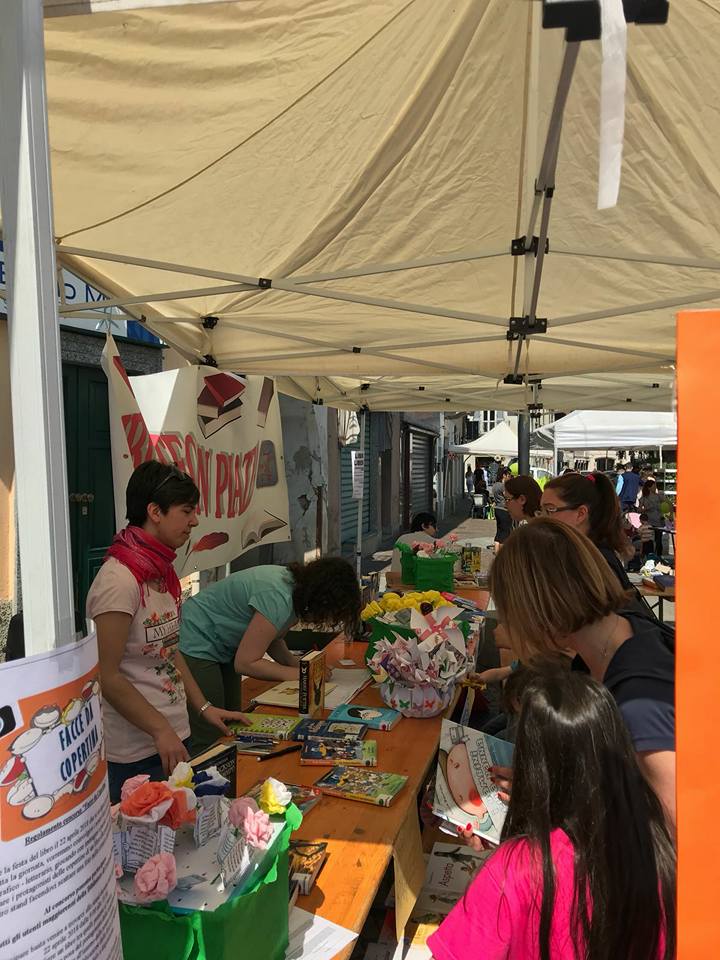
(612, 101)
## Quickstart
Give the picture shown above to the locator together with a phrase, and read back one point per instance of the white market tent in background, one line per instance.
(372, 163)
(501, 441)
(609, 430)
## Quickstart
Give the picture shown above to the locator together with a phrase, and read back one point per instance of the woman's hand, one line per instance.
(478, 844)
(170, 748)
(493, 675)
(502, 777)
(218, 717)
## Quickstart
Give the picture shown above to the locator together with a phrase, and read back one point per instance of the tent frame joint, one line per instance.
(519, 246)
(209, 360)
(209, 323)
(264, 283)
(521, 327)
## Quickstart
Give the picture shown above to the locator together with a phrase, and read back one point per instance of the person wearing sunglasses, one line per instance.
(135, 603)
(522, 498)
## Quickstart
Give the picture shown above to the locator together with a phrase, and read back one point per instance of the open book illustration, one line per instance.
(464, 792)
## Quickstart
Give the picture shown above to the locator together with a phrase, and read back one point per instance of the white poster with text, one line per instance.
(57, 878)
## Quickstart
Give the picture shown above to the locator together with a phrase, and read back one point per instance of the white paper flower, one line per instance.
(282, 794)
(181, 776)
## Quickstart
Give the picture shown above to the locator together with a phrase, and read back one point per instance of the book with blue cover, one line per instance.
(350, 753)
(329, 731)
(377, 718)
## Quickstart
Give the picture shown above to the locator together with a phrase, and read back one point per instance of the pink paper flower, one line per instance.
(453, 537)
(440, 544)
(238, 809)
(156, 878)
(132, 784)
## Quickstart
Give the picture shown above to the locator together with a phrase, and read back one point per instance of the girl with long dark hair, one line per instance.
(586, 866)
(588, 503)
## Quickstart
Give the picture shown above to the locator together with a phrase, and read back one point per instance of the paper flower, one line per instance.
(182, 809)
(453, 537)
(131, 785)
(182, 775)
(150, 800)
(256, 828)
(238, 809)
(156, 878)
(274, 796)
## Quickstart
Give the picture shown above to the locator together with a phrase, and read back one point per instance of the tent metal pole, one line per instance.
(440, 460)
(361, 501)
(523, 444)
(545, 185)
(703, 296)
(653, 258)
(35, 371)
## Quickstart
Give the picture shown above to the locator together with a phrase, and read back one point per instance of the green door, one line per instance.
(89, 466)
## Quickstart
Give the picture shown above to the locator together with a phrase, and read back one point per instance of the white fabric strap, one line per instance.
(612, 101)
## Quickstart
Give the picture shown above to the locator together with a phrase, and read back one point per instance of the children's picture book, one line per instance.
(266, 724)
(357, 783)
(464, 792)
(329, 731)
(320, 752)
(286, 694)
(377, 718)
(450, 869)
(304, 798)
(306, 861)
(312, 684)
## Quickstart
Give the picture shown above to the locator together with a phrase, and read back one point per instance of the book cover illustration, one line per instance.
(328, 730)
(464, 792)
(377, 718)
(304, 798)
(267, 724)
(306, 861)
(359, 783)
(320, 752)
(219, 401)
(450, 870)
(285, 694)
(312, 684)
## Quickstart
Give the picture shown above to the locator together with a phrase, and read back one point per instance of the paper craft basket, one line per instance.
(253, 925)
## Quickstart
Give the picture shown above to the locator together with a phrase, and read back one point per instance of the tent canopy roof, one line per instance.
(374, 161)
(610, 430)
(501, 441)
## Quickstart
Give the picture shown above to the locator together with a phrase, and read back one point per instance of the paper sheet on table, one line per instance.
(347, 684)
(314, 938)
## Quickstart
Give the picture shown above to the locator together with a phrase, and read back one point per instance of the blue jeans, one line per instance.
(118, 773)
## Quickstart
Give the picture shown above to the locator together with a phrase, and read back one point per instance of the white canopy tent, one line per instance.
(330, 195)
(501, 441)
(610, 430)
(345, 219)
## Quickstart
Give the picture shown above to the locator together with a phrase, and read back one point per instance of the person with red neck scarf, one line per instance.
(135, 603)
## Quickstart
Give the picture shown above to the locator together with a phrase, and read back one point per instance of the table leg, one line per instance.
(409, 866)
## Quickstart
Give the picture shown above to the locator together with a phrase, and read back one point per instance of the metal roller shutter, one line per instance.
(421, 472)
(348, 506)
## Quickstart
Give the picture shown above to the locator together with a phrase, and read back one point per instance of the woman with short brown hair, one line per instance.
(553, 591)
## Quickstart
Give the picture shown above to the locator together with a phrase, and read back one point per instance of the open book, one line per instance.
(464, 792)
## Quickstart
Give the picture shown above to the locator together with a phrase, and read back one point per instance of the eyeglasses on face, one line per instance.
(550, 510)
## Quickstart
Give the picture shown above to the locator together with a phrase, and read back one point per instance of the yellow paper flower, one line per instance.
(272, 795)
(182, 776)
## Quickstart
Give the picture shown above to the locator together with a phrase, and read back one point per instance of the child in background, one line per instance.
(647, 535)
(586, 867)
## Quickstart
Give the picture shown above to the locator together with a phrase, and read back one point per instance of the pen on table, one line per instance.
(281, 753)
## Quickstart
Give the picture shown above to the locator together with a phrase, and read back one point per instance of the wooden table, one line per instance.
(660, 595)
(360, 836)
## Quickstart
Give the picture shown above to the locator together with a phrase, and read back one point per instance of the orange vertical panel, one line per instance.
(698, 635)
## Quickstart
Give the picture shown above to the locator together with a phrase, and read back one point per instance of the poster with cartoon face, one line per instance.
(56, 754)
(464, 792)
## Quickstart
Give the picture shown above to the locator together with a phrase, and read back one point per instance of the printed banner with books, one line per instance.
(222, 429)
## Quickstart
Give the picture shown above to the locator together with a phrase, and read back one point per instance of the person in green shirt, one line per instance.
(227, 629)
